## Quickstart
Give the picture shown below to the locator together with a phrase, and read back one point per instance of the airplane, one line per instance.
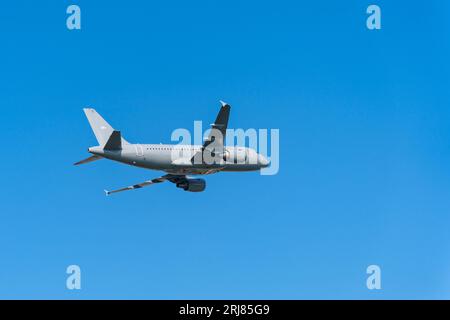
(179, 162)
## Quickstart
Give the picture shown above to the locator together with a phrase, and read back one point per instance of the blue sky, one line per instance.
(364, 141)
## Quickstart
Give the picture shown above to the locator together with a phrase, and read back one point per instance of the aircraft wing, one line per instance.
(217, 134)
(169, 177)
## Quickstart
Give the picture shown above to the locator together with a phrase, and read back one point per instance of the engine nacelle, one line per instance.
(192, 185)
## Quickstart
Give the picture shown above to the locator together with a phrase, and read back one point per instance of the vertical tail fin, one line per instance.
(101, 128)
(114, 142)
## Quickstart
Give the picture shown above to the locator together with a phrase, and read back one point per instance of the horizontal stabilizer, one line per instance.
(90, 159)
(114, 142)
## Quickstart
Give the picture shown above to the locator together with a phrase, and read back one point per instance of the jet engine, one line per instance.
(192, 185)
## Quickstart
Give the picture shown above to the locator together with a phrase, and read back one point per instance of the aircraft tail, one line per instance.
(102, 129)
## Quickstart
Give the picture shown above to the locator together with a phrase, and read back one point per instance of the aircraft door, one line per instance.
(139, 150)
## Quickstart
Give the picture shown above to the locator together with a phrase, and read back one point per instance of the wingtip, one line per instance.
(223, 103)
(88, 109)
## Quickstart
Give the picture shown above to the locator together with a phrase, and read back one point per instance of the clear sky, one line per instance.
(364, 138)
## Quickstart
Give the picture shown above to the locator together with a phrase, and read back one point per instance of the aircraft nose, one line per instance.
(263, 161)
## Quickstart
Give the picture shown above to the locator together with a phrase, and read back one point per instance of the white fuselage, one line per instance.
(176, 159)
